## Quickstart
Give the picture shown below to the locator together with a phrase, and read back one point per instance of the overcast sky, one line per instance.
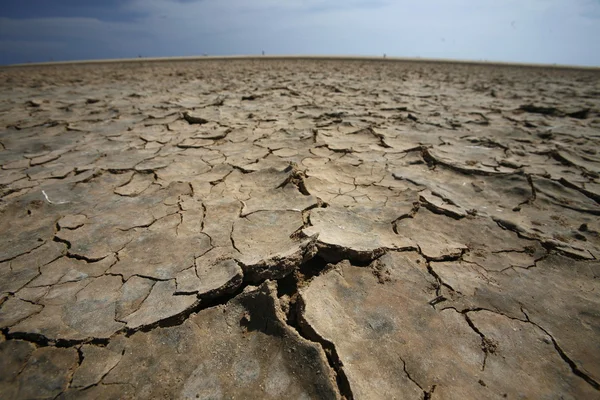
(539, 31)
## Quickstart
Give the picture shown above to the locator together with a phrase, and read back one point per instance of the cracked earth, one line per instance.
(321, 229)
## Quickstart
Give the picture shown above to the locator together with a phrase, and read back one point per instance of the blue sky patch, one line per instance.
(537, 31)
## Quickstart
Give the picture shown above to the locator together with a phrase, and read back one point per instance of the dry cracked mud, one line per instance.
(299, 229)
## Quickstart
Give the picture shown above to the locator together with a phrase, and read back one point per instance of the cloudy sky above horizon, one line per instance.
(537, 31)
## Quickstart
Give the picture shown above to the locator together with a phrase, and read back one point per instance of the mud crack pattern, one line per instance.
(299, 228)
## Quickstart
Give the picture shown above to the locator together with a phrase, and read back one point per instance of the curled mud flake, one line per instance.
(71, 221)
(160, 304)
(339, 231)
(194, 119)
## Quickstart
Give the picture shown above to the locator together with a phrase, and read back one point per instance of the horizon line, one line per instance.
(382, 58)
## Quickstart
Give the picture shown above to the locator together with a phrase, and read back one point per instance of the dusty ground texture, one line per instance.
(299, 229)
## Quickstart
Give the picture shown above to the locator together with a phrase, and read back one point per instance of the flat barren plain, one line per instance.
(299, 229)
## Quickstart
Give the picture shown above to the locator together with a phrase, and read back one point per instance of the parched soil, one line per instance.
(299, 229)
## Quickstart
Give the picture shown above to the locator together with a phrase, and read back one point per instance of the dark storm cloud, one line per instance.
(107, 10)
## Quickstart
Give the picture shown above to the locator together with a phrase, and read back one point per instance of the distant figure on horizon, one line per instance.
(263, 52)
(384, 55)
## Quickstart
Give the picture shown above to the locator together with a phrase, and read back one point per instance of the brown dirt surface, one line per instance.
(299, 229)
